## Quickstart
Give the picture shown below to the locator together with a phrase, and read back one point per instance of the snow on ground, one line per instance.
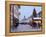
(22, 28)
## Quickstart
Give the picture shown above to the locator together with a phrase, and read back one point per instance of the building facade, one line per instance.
(14, 14)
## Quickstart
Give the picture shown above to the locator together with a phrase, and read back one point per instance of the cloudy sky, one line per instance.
(27, 11)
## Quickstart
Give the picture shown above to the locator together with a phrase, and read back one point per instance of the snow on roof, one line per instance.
(37, 18)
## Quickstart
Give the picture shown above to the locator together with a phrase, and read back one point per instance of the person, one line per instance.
(34, 24)
(15, 22)
(39, 25)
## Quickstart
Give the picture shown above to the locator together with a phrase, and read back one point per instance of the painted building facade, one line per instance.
(14, 14)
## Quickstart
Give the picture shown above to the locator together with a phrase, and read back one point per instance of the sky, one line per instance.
(27, 11)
